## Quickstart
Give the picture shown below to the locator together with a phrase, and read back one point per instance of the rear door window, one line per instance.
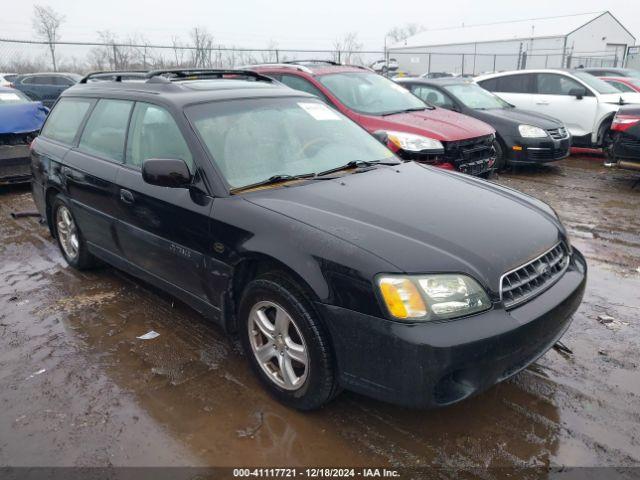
(62, 81)
(106, 129)
(65, 119)
(521, 83)
(155, 134)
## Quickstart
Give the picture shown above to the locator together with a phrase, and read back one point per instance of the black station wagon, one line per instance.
(338, 265)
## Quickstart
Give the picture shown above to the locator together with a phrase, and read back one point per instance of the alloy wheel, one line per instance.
(67, 232)
(278, 345)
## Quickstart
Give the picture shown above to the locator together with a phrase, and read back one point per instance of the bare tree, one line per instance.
(347, 49)
(400, 34)
(178, 51)
(270, 55)
(201, 55)
(46, 23)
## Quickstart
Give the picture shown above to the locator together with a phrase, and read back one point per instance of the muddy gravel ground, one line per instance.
(77, 388)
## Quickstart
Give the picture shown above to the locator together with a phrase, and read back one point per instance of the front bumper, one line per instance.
(474, 156)
(439, 363)
(537, 150)
(15, 164)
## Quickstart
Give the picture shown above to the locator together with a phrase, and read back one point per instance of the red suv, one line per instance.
(414, 130)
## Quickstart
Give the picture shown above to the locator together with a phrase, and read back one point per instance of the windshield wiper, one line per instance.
(274, 179)
(312, 176)
(407, 110)
(355, 164)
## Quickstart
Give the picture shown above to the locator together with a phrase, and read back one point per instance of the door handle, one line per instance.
(542, 103)
(126, 196)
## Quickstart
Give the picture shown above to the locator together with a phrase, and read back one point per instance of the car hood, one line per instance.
(423, 219)
(22, 117)
(438, 123)
(518, 117)
(627, 97)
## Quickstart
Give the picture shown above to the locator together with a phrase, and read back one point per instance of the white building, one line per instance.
(590, 39)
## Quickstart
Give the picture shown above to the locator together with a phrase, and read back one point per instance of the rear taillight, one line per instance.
(622, 123)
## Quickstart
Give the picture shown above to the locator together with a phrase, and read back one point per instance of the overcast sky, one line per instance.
(291, 23)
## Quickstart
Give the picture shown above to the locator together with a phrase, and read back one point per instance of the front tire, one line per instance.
(501, 160)
(70, 240)
(286, 343)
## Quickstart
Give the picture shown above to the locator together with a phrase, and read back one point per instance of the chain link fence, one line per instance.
(21, 56)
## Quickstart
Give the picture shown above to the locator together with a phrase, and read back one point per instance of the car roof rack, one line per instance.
(114, 75)
(173, 74)
(302, 68)
(313, 61)
(179, 74)
(326, 62)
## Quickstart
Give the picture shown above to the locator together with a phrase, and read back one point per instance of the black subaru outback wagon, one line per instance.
(274, 215)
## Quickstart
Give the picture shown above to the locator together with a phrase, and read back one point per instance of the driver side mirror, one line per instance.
(166, 172)
(578, 92)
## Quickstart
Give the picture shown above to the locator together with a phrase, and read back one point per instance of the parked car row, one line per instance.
(339, 264)
(521, 136)
(409, 127)
(537, 116)
(585, 103)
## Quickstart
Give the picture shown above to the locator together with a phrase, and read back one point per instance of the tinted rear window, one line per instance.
(514, 84)
(65, 119)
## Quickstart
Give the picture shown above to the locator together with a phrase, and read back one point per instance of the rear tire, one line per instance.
(70, 240)
(287, 346)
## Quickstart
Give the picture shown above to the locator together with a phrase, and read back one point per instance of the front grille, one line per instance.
(469, 151)
(547, 154)
(558, 133)
(17, 138)
(533, 278)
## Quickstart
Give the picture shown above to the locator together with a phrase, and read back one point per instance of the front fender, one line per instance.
(334, 270)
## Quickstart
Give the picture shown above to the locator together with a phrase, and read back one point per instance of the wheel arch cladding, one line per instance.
(252, 266)
(50, 195)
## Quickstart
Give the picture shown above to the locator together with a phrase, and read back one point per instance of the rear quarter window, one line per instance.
(65, 119)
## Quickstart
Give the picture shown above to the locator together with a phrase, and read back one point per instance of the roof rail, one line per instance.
(302, 68)
(176, 74)
(313, 60)
(115, 75)
(326, 62)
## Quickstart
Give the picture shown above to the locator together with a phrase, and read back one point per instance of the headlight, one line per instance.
(529, 131)
(414, 143)
(432, 297)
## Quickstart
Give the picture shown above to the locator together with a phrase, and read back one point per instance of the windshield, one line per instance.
(254, 140)
(476, 97)
(13, 97)
(370, 93)
(598, 85)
